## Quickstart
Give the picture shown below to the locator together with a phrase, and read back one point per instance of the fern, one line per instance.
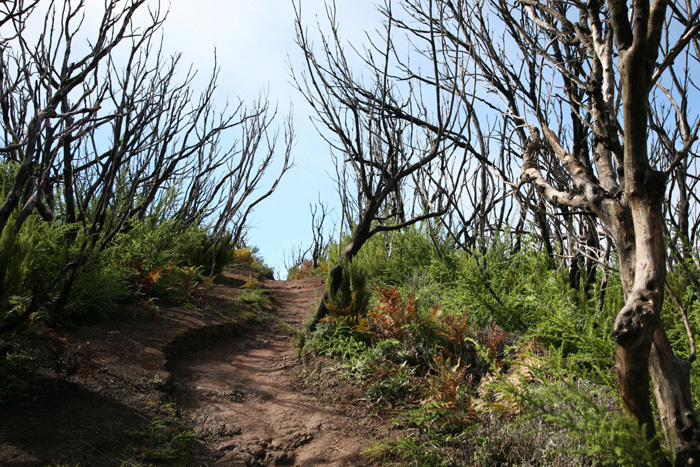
(14, 249)
(392, 317)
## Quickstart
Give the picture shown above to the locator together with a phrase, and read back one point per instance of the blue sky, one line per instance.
(254, 42)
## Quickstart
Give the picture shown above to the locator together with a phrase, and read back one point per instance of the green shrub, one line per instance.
(154, 244)
(591, 416)
(512, 290)
(18, 362)
(336, 340)
(552, 399)
(410, 250)
(14, 251)
(262, 269)
(213, 259)
(258, 299)
(390, 381)
(166, 439)
(408, 452)
(99, 284)
(353, 294)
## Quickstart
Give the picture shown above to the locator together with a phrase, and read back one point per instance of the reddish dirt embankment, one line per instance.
(237, 384)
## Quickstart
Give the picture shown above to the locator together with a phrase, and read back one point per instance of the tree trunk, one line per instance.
(643, 273)
(671, 378)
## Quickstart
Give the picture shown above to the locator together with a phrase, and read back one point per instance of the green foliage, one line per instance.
(151, 260)
(99, 284)
(478, 382)
(414, 252)
(14, 251)
(353, 294)
(155, 243)
(395, 258)
(49, 253)
(17, 363)
(336, 340)
(510, 289)
(576, 328)
(503, 441)
(391, 381)
(8, 171)
(682, 284)
(407, 451)
(133, 463)
(259, 300)
(263, 270)
(587, 409)
(212, 259)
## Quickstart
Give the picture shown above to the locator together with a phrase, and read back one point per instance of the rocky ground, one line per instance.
(215, 384)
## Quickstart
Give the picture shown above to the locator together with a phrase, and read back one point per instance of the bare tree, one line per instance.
(319, 240)
(379, 155)
(582, 91)
(104, 134)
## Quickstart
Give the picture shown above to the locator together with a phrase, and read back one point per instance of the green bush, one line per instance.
(14, 251)
(213, 259)
(408, 348)
(259, 300)
(336, 340)
(390, 381)
(411, 251)
(353, 294)
(99, 284)
(585, 408)
(18, 362)
(394, 258)
(152, 250)
(166, 439)
(154, 243)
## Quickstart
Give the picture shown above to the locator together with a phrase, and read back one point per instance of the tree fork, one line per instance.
(633, 333)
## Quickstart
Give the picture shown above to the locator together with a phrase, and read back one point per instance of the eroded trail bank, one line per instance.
(250, 405)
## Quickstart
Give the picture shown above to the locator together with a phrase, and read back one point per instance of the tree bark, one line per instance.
(642, 348)
(671, 377)
(637, 321)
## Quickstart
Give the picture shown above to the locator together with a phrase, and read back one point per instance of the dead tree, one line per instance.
(320, 242)
(104, 133)
(581, 91)
(377, 153)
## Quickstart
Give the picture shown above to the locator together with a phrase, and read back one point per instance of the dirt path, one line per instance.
(239, 385)
(245, 400)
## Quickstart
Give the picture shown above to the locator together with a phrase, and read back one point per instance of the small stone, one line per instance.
(257, 451)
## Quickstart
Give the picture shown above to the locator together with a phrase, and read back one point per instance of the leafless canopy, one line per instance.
(101, 129)
(392, 171)
(577, 113)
